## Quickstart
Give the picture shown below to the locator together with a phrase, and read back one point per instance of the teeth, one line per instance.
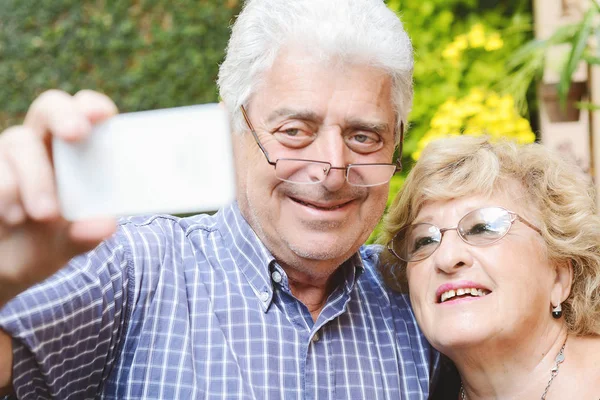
(447, 295)
(462, 291)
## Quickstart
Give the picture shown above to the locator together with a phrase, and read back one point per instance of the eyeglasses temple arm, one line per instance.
(398, 163)
(529, 224)
(391, 250)
(247, 119)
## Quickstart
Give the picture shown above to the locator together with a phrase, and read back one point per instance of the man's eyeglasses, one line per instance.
(480, 227)
(306, 172)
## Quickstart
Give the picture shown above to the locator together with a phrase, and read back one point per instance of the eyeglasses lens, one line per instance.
(311, 172)
(479, 228)
(301, 171)
(370, 174)
(416, 242)
(484, 226)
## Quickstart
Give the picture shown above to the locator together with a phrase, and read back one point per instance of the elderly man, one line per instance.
(271, 298)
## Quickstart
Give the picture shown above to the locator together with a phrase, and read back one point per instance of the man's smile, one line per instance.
(322, 206)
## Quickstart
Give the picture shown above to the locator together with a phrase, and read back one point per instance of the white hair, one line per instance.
(363, 32)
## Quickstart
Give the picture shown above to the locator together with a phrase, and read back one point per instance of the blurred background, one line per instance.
(519, 69)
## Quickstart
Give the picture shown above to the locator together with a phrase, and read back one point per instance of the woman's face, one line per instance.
(513, 274)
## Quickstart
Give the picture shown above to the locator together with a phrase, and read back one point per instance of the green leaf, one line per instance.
(586, 105)
(579, 45)
(537, 48)
(564, 34)
(590, 59)
(533, 48)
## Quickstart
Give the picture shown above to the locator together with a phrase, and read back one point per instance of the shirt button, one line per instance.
(264, 296)
(276, 276)
(315, 337)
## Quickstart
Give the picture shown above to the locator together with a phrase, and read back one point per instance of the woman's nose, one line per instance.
(452, 254)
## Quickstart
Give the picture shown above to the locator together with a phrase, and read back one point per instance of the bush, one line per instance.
(143, 54)
(460, 45)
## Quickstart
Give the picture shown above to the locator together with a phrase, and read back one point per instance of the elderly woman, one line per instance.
(499, 249)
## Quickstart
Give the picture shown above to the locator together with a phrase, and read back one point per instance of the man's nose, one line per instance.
(335, 179)
(334, 151)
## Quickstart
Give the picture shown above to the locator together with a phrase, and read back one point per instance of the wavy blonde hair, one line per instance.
(557, 192)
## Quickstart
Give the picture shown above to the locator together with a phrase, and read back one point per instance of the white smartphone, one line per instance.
(174, 161)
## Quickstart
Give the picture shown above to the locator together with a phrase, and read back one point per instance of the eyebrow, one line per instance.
(307, 115)
(379, 128)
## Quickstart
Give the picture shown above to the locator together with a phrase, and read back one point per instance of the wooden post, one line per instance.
(568, 131)
(594, 73)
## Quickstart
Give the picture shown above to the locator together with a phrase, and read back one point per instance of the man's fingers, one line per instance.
(95, 106)
(29, 162)
(56, 112)
(68, 117)
(11, 209)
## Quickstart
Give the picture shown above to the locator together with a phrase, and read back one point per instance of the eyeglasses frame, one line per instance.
(513, 218)
(326, 171)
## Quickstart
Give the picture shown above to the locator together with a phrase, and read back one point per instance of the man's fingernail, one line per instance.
(74, 128)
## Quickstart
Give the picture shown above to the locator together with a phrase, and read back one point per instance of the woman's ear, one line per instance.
(563, 280)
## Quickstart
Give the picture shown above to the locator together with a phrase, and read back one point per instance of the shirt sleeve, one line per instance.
(66, 330)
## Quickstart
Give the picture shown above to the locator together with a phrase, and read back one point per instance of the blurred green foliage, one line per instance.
(435, 27)
(144, 54)
(461, 46)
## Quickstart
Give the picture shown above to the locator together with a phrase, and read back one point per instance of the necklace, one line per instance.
(560, 357)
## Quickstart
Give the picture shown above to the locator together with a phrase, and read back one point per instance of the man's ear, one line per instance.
(563, 280)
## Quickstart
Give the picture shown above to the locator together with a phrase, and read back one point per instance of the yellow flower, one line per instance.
(507, 102)
(451, 53)
(477, 36)
(494, 42)
(508, 128)
(461, 42)
(492, 101)
(523, 125)
(525, 137)
(475, 96)
(471, 109)
(448, 105)
(479, 113)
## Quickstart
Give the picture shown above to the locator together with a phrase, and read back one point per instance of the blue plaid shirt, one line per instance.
(197, 308)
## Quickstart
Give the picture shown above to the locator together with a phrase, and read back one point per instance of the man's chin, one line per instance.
(324, 247)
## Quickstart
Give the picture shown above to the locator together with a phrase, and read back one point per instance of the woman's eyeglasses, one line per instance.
(480, 227)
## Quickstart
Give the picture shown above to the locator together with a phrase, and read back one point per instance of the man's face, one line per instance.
(325, 112)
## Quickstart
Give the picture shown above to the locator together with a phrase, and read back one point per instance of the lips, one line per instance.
(459, 290)
(321, 207)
